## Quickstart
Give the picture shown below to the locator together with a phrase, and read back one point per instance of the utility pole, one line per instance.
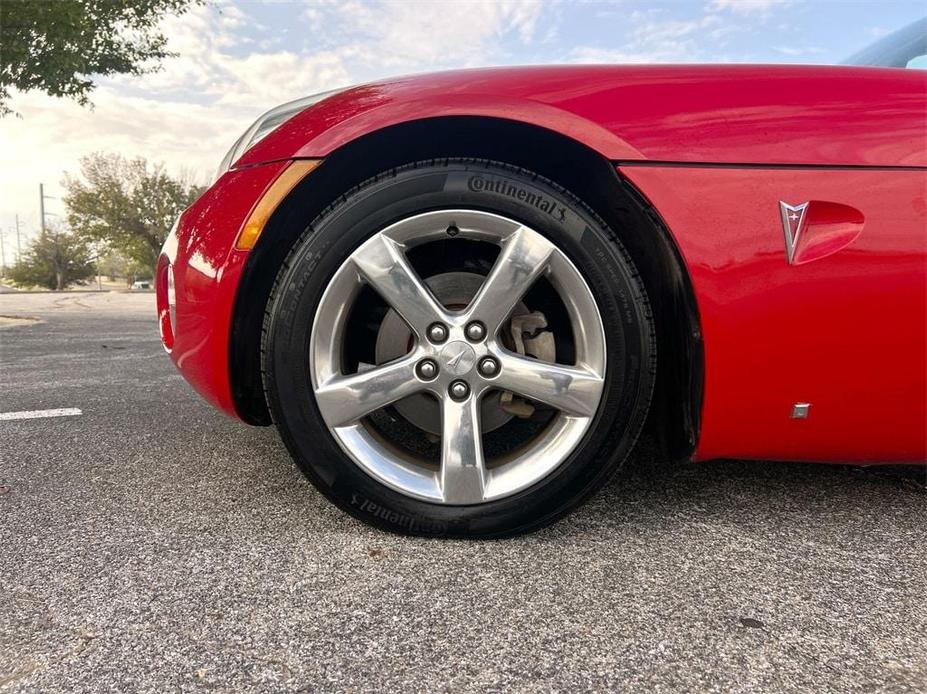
(2, 256)
(42, 198)
(19, 244)
(42, 207)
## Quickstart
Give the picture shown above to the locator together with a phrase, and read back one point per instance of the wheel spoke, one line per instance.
(383, 264)
(462, 465)
(573, 390)
(345, 399)
(523, 259)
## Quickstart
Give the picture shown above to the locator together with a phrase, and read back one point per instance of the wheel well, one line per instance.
(674, 417)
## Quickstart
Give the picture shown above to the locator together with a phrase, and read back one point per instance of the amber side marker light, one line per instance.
(273, 196)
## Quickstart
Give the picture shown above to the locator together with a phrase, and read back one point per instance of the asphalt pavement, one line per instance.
(153, 544)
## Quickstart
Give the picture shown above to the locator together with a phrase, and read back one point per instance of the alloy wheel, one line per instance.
(461, 357)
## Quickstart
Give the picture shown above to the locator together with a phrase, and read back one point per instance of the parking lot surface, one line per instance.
(152, 544)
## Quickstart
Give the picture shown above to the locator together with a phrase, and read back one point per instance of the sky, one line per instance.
(237, 59)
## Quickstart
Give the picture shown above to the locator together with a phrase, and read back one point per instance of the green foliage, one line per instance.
(125, 205)
(136, 271)
(57, 45)
(54, 260)
(112, 265)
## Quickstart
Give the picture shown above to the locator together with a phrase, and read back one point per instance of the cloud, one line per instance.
(878, 32)
(400, 34)
(796, 51)
(53, 134)
(678, 52)
(746, 6)
(655, 39)
(210, 64)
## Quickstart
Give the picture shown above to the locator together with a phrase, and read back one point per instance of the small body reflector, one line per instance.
(166, 301)
(271, 199)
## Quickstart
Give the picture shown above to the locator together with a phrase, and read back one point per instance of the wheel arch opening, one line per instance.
(676, 405)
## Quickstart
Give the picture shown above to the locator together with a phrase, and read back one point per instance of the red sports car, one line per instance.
(461, 297)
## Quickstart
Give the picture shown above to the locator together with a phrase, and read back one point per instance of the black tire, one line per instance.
(432, 185)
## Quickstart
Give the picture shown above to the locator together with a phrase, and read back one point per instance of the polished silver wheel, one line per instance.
(459, 356)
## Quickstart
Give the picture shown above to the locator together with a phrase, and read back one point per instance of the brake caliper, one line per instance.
(531, 340)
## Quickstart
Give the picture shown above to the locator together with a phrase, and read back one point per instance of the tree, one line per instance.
(56, 45)
(112, 265)
(126, 205)
(54, 260)
(135, 271)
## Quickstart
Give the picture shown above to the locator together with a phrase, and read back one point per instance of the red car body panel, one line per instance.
(846, 332)
(728, 114)
(206, 269)
(714, 149)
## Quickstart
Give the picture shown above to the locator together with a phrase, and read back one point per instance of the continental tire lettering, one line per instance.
(394, 517)
(486, 184)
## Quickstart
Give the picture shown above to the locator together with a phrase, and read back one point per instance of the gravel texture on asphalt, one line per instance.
(152, 544)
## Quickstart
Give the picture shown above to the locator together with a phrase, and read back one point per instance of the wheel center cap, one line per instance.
(458, 358)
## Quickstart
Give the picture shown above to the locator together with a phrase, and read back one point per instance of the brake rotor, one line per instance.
(454, 290)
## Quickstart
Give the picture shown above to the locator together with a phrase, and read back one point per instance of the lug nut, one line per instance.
(459, 390)
(427, 369)
(476, 331)
(488, 367)
(437, 332)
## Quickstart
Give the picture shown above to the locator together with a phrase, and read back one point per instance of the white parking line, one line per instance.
(38, 414)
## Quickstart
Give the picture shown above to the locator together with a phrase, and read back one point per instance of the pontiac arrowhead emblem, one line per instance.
(793, 222)
(455, 360)
(458, 358)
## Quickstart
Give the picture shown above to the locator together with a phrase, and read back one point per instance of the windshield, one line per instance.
(906, 47)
